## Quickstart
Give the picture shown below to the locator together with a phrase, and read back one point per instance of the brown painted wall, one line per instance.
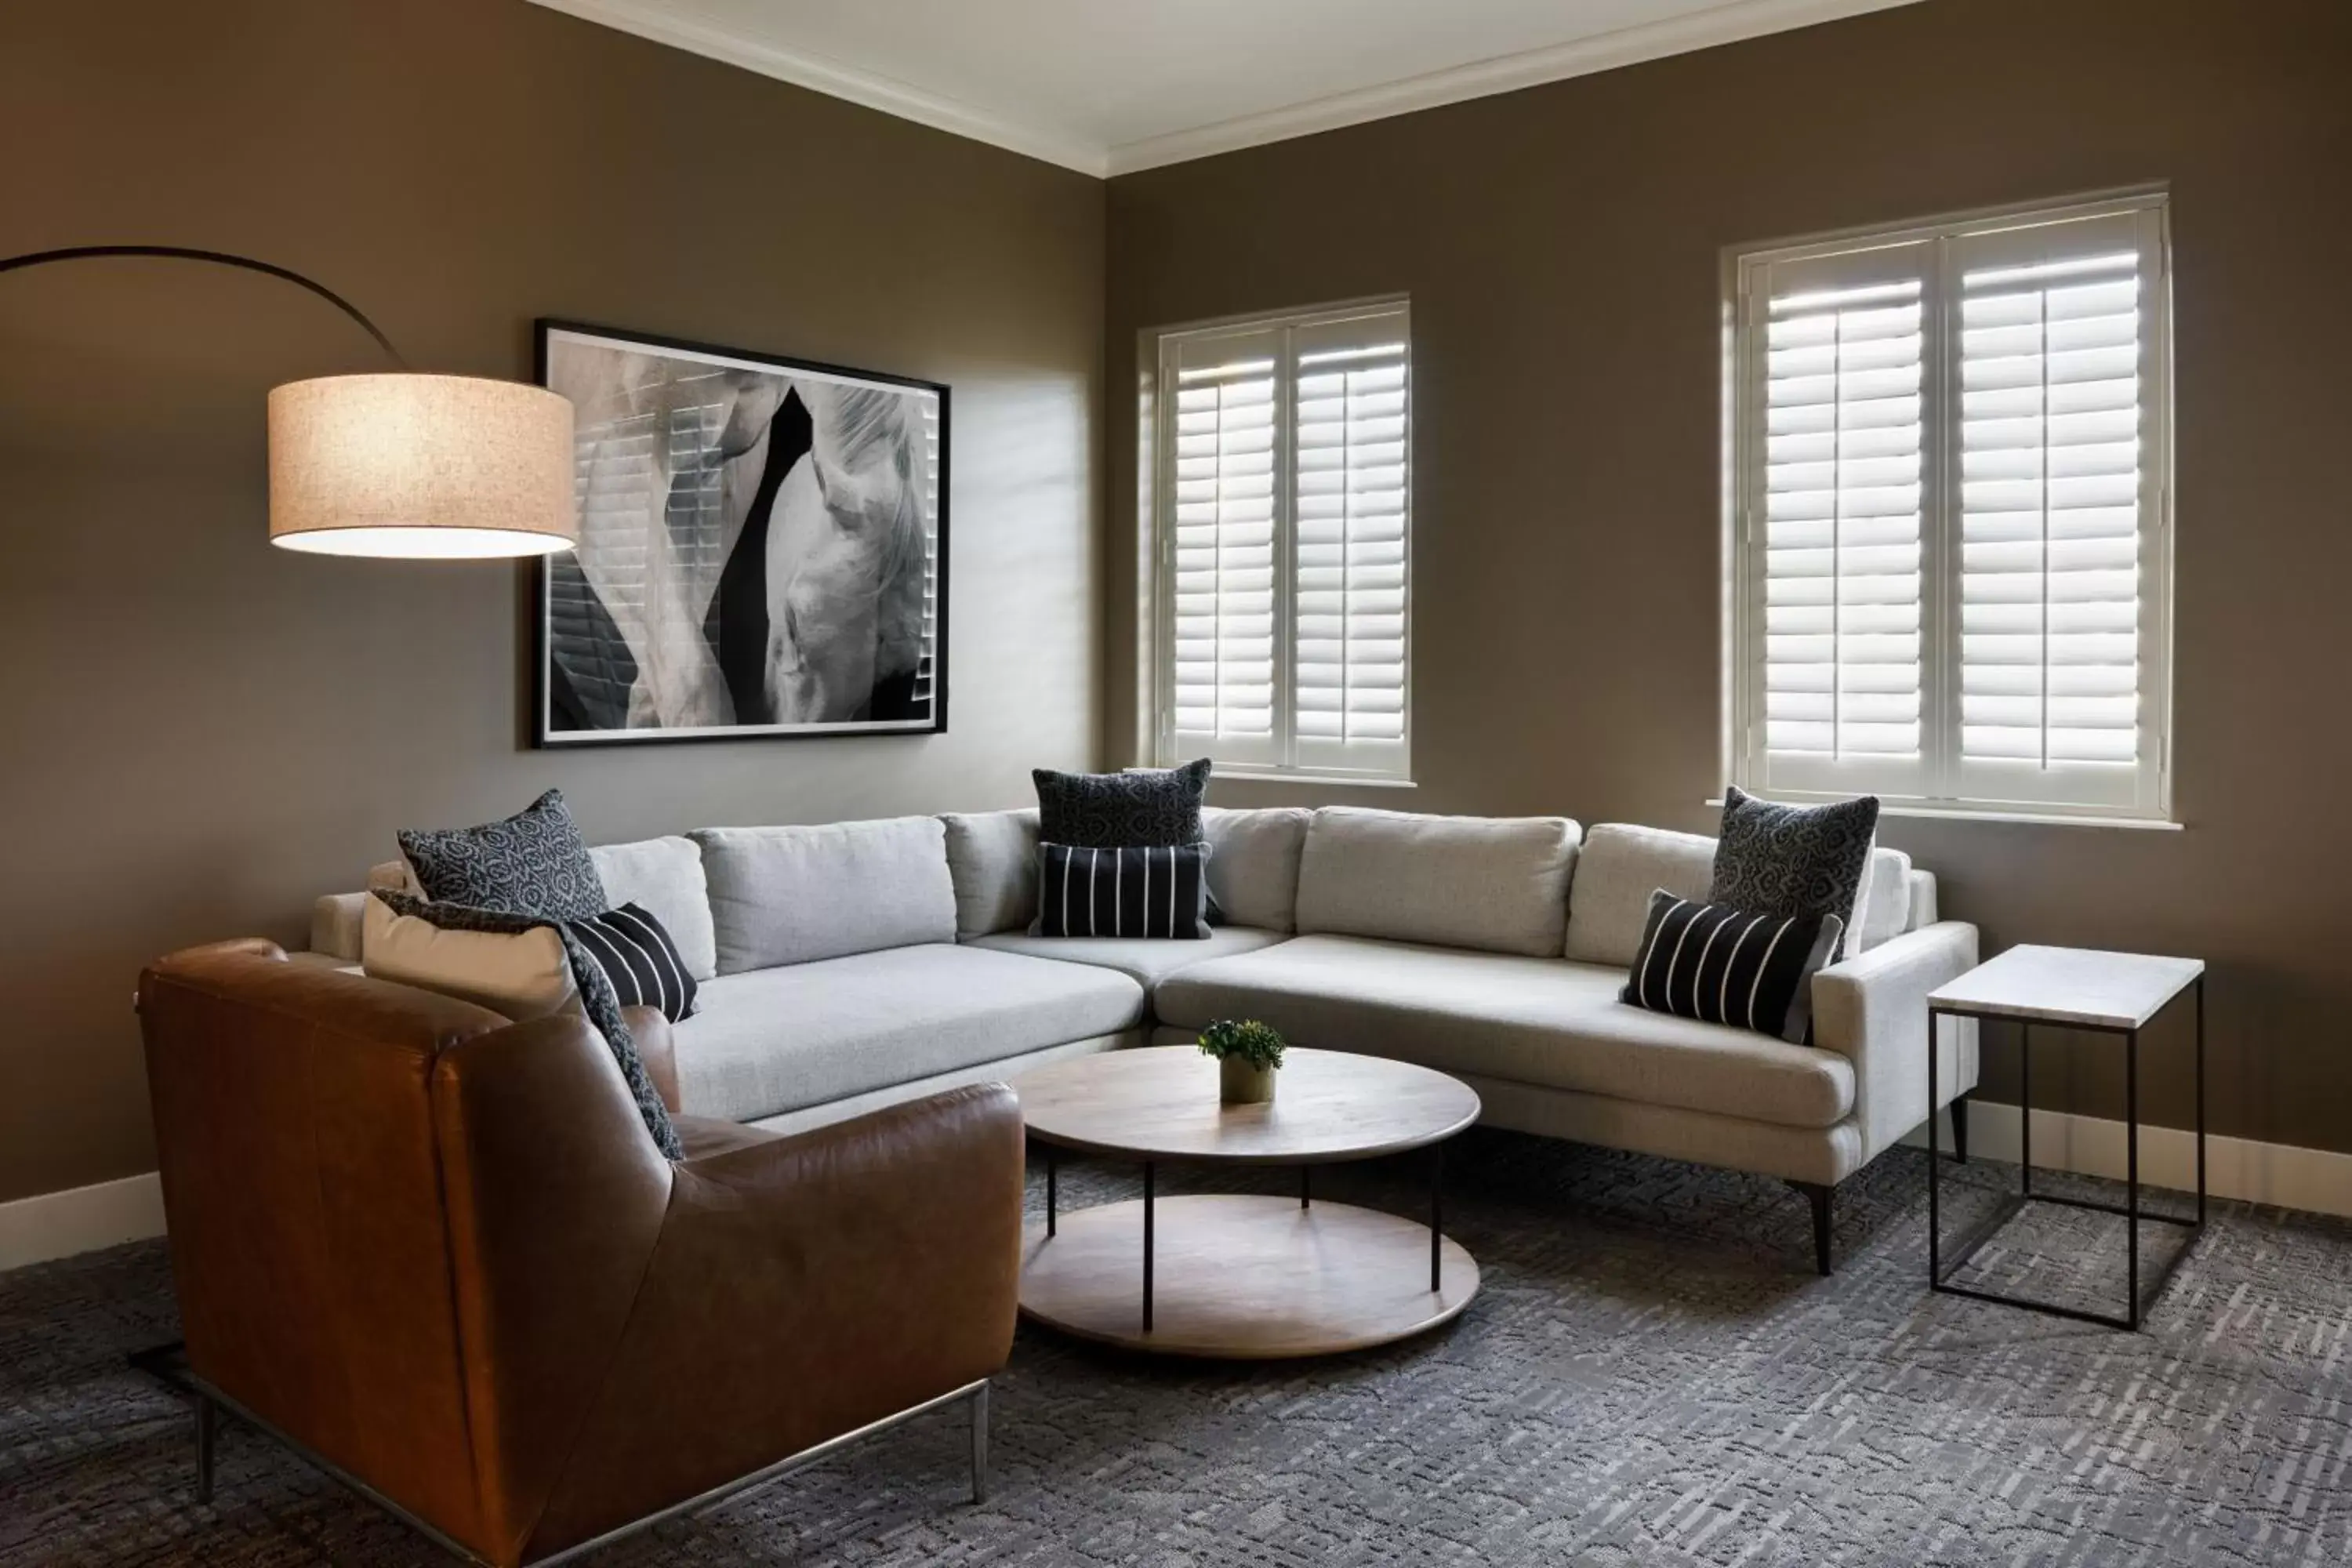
(203, 733)
(1561, 245)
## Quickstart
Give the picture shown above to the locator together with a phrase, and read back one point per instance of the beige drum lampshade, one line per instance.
(422, 466)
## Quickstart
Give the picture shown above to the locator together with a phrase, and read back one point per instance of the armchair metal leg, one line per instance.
(980, 1444)
(207, 1415)
(1960, 1128)
(1818, 1196)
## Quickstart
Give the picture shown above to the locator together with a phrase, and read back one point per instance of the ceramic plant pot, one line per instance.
(1239, 1083)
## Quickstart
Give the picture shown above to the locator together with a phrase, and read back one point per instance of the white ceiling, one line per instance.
(1109, 86)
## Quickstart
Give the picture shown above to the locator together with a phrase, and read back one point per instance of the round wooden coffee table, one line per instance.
(1246, 1277)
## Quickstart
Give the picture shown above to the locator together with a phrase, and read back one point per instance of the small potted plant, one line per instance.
(1247, 1054)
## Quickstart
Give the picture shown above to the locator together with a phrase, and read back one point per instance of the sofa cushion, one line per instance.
(992, 860)
(1254, 869)
(664, 876)
(1541, 1021)
(1149, 962)
(1494, 883)
(1886, 908)
(775, 1040)
(1619, 867)
(793, 894)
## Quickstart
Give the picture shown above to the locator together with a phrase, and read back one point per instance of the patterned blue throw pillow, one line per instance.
(1794, 860)
(533, 863)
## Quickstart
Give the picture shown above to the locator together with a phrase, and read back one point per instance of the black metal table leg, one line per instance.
(1934, 1159)
(1052, 1193)
(2201, 1100)
(2131, 1170)
(1146, 1245)
(2025, 1114)
(1436, 1217)
(1306, 1185)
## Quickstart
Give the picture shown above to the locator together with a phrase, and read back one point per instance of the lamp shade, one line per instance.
(445, 467)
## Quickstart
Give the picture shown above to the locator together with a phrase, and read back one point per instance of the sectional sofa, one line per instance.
(854, 966)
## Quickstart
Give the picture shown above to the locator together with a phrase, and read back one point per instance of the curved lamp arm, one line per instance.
(217, 258)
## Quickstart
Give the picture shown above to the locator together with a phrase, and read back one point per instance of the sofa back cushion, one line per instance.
(664, 876)
(1884, 913)
(792, 895)
(1254, 864)
(992, 860)
(1621, 865)
(1498, 884)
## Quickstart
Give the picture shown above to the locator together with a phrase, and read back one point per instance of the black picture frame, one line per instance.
(932, 673)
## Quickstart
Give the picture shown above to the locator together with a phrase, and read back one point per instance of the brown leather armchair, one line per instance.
(439, 1252)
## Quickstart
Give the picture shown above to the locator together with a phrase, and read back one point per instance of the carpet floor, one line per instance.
(1651, 1373)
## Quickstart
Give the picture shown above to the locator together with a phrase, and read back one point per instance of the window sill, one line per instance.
(1324, 781)
(2035, 818)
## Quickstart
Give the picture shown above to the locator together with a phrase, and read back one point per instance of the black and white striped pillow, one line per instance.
(1159, 892)
(639, 958)
(1722, 966)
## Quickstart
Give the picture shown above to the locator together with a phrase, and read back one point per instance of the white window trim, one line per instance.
(1155, 719)
(1741, 733)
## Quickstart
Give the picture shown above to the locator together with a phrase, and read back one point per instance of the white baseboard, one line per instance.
(2318, 1181)
(80, 1219)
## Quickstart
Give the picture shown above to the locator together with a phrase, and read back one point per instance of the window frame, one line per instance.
(1158, 349)
(1743, 671)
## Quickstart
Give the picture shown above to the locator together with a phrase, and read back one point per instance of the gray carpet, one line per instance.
(1652, 1373)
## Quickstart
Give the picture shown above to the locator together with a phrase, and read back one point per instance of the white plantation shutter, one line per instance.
(1951, 564)
(1842, 411)
(1284, 509)
(1350, 523)
(2057, 488)
(1224, 455)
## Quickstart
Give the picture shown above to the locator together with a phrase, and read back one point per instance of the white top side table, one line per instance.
(2072, 988)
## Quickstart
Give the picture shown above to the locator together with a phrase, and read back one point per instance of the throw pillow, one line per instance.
(1795, 859)
(639, 959)
(1729, 966)
(518, 974)
(1135, 891)
(533, 863)
(1150, 807)
(598, 999)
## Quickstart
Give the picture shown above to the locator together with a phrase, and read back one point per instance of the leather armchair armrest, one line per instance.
(802, 1287)
(657, 1050)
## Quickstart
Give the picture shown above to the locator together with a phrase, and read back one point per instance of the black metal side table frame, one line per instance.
(1305, 1199)
(1939, 1273)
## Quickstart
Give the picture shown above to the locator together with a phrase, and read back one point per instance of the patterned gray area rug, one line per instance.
(1651, 1374)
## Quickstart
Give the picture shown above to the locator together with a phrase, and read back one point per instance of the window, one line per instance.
(1282, 511)
(1950, 544)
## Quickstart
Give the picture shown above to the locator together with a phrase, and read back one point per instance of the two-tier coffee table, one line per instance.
(1233, 1275)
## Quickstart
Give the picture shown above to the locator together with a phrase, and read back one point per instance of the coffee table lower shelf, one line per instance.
(1243, 1278)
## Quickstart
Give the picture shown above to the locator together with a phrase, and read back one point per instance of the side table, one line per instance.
(2073, 988)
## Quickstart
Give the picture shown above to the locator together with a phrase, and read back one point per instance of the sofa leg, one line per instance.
(1818, 1196)
(1960, 1128)
(980, 1444)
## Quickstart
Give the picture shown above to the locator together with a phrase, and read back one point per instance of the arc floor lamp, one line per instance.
(399, 463)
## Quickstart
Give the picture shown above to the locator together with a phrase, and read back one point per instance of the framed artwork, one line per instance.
(763, 547)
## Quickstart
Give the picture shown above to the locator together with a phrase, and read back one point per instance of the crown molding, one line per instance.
(1723, 24)
(649, 20)
(1484, 79)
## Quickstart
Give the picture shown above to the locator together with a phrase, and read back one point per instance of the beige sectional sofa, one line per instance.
(855, 965)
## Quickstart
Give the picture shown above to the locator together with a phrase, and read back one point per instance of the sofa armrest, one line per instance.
(1873, 1009)
(336, 921)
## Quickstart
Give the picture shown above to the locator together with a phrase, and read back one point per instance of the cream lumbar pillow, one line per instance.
(523, 976)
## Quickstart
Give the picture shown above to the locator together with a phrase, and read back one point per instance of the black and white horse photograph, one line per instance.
(761, 547)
